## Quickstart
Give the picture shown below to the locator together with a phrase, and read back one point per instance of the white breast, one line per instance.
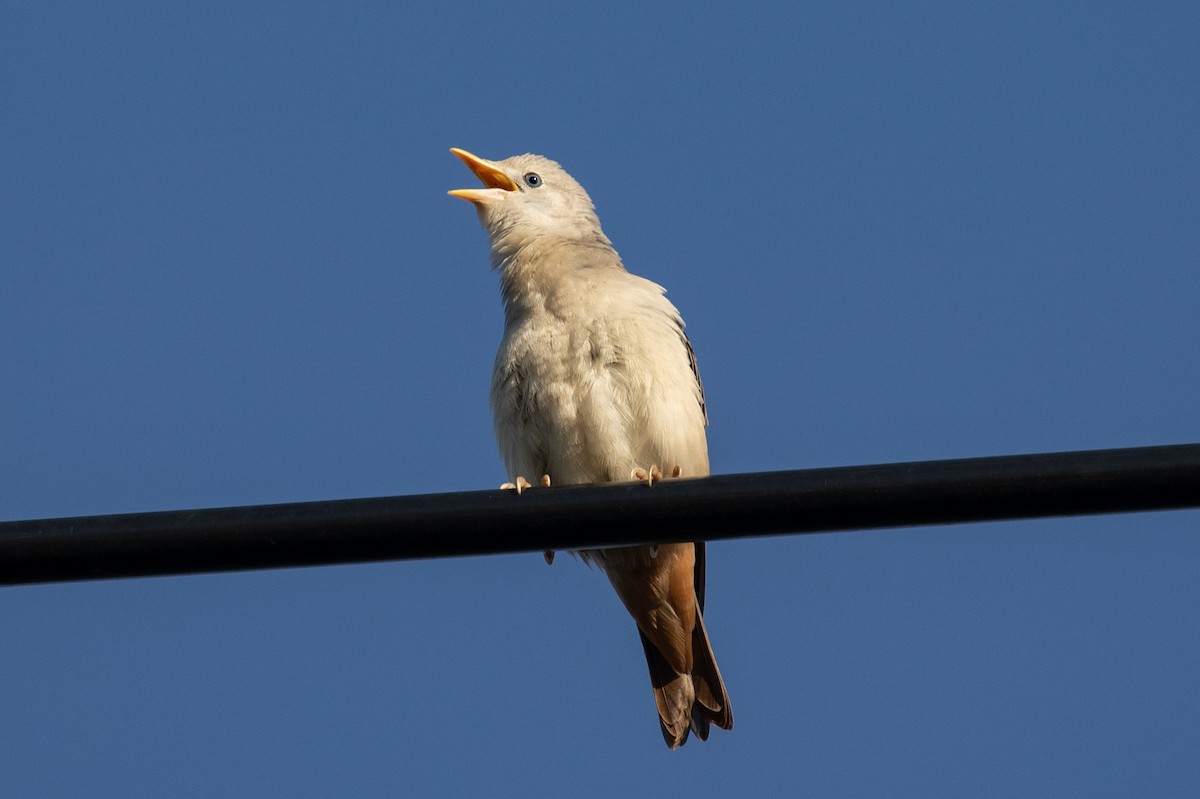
(593, 380)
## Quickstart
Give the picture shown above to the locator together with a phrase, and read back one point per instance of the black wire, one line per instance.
(582, 517)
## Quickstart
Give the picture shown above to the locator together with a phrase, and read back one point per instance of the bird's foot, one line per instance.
(648, 476)
(549, 556)
(520, 484)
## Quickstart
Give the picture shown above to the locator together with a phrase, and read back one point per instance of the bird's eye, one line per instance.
(533, 180)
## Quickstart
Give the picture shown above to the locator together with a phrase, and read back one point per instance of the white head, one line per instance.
(529, 198)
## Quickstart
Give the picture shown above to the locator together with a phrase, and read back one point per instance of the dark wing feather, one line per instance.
(691, 353)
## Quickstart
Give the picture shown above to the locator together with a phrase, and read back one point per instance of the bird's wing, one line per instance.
(691, 353)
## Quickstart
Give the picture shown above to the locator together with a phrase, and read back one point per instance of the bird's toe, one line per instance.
(519, 485)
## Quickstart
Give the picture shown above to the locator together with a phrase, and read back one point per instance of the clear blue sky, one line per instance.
(230, 274)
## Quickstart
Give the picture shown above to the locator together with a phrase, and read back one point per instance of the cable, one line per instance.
(584, 517)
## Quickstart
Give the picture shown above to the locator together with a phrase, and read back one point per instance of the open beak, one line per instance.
(499, 185)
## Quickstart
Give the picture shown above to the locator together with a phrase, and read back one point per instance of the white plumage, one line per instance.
(595, 381)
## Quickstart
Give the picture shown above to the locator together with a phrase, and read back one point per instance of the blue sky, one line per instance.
(230, 274)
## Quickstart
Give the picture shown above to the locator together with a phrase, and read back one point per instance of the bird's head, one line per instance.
(529, 197)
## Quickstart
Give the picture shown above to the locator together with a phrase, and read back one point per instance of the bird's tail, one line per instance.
(688, 702)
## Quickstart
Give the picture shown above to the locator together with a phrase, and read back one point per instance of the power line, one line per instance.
(582, 517)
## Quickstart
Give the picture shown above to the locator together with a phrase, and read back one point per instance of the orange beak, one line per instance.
(499, 185)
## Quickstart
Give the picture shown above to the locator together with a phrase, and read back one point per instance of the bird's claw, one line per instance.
(648, 476)
(520, 484)
(549, 556)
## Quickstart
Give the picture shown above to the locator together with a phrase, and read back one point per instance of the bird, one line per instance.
(596, 381)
